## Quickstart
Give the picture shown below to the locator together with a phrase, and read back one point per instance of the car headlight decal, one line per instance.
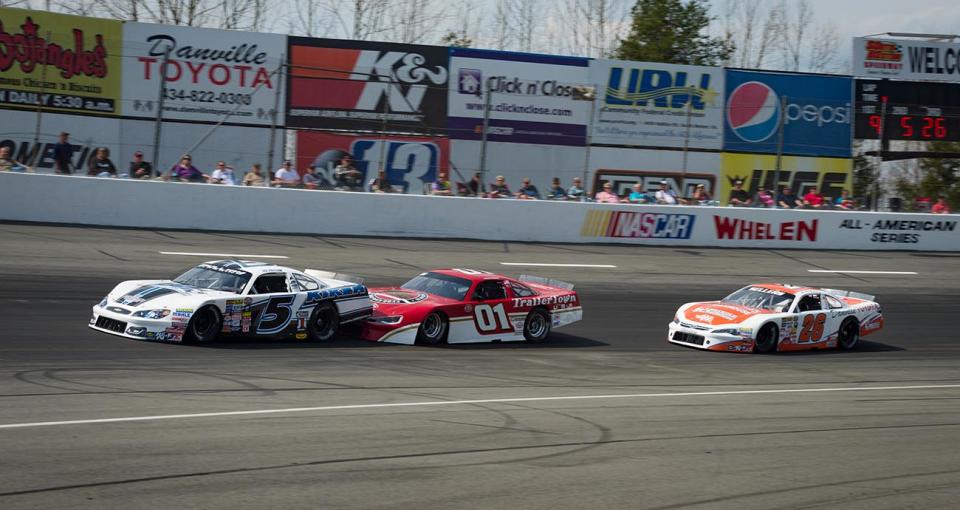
(152, 314)
(387, 319)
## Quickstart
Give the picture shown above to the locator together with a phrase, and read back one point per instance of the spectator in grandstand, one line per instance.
(813, 199)
(347, 176)
(701, 196)
(739, 197)
(666, 196)
(310, 178)
(442, 186)
(381, 184)
(475, 187)
(62, 154)
(941, 206)
(556, 191)
(638, 196)
(528, 191)
(286, 176)
(607, 196)
(140, 169)
(499, 188)
(763, 198)
(253, 177)
(844, 201)
(184, 171)
(7, 163)
(222, 174)
(788, 200)
(100, 165)
(576, 191)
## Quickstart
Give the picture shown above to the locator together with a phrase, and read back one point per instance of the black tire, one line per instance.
(849, 335)
(767, 338)
(324, 322)
(536, 327)
(433, 329)
(204, 326)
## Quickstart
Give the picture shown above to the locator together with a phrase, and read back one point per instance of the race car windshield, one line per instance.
(442, 285)
(205, 278)
(761, 298)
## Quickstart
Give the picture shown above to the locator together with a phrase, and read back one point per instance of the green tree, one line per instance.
(461, 40)
(673, 31)
(940, 176)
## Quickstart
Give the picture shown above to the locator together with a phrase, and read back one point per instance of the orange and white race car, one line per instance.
(775, 317)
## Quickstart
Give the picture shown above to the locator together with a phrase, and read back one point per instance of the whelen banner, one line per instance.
(530, 97)
(648, 104)
(816, 121)
(210, 74)
(58, 62)
(359, 85)
(903, 59)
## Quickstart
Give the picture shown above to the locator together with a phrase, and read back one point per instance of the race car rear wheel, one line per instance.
(433, 329)
(204, 326)
(766, 340)
(849, 335)
(537, 326)
(323, 322)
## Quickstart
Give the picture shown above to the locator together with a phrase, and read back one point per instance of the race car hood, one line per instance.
(390, 300)
(159, 294)
(718, 313)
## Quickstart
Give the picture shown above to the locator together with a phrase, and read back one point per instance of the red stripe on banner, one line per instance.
(316, 93)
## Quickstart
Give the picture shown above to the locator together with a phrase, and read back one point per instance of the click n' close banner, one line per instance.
(531, 97)
(649, 104)
(904, 59)
(59, 63)
(359, 85)
(210, 74)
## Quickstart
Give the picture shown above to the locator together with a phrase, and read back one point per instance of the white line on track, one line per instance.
(289, 410)
(231, 255)
(859, 272)
(554, 265)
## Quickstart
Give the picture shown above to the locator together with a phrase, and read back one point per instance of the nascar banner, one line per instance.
(530, 97)
(59, 62)
(648, 104)
(356, 85)
(830, 175)
(210, 73)
(816, 121)
(904, 59)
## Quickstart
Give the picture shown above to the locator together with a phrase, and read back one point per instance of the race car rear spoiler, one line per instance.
(546, 281)
(334, 276)
(848, 293)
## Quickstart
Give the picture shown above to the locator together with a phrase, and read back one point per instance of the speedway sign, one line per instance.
(904, 59)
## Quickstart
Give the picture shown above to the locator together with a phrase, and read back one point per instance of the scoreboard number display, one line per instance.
(922, 111)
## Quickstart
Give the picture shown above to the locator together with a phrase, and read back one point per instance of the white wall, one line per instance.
(121, 202)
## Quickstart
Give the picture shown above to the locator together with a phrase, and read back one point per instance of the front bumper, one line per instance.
(137, 328)
(691, 336)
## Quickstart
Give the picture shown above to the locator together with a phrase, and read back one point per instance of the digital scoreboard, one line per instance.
(924, 111)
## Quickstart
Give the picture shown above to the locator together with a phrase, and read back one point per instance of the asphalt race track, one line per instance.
(606, 415)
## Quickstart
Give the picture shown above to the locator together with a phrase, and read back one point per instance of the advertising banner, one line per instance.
(649, 104)
(411, 162)
(360, 85)
(17, 132)
(924, 111)
(210, 73)
(816, 121)
(530, 97)
(59, 62)
(830, 175)
(903, 59)
(625, 167)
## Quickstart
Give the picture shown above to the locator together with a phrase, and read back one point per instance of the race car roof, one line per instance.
(474, 275)
(250, 266)
(786, 288)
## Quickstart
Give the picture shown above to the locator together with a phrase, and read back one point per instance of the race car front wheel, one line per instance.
(766, 341)
(204, 326)
(433, 329)
(849, 335)
(537, 326)
(323, 322)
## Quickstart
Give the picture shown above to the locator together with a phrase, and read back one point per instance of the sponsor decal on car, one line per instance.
(714, 311)
(398, 297)
(544, 300)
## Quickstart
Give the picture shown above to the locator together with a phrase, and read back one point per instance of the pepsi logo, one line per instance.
(753, 111)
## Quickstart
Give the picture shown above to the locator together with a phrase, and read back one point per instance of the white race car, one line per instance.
(233, 298)
(776, 317)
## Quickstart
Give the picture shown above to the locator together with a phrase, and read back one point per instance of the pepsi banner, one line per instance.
(816, 121)
(648, 104)
(530, 97)
(359, 85)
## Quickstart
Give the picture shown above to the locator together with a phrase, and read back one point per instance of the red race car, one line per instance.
(466, 306)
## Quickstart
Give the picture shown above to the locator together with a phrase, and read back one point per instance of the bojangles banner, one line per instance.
(59, 62)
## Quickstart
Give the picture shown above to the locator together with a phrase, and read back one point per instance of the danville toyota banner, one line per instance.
(647, 104)
(360, 85)
(59, 62)
(210, 73)
(906, 59)
(530, 97)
